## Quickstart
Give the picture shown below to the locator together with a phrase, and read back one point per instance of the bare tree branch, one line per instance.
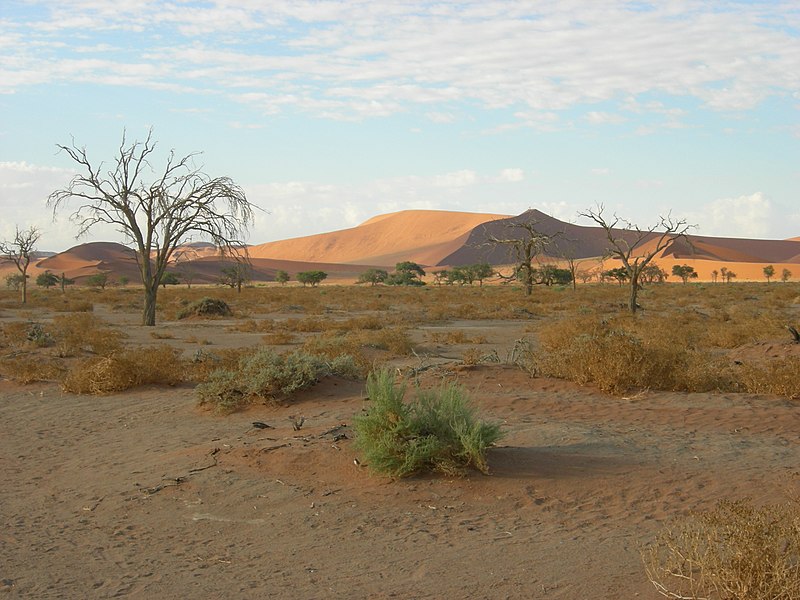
(157, 216)
(20, 252)
(635, 246)
(524, 244)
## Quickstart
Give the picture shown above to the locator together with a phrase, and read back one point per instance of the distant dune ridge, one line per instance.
(422, 236)
(432, 238)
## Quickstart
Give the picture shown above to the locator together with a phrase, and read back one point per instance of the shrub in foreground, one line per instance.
(734, 552)
(268, 376)
(438, 431)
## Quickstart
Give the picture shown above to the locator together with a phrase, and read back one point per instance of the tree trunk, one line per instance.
(149, 314)
(24, 288)
(634, 293)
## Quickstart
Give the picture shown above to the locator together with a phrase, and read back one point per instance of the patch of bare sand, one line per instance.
(142, 495)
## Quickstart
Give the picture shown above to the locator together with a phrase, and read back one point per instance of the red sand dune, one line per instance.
(423, 236)
(94, 257)
(438, 239)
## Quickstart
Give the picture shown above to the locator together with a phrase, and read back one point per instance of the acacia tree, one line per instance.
(312, 278)
(685, 272)
(47, 279)
(769, 272)
(20, 252)
(235, 275)
(524, 244)
(636, 246)
(157, 210)
(373, 276)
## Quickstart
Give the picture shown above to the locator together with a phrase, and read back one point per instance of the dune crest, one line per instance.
(423, 236)
(436, 238)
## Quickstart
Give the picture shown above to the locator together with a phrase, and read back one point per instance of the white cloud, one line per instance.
(512, 175)
(24, 188)
(357, 59)
(749, 216)
(600, 171)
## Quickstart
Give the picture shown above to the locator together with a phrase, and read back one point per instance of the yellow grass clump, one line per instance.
(734, 552)
(125, 369)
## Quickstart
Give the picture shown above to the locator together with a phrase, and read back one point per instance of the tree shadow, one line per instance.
(553, 462)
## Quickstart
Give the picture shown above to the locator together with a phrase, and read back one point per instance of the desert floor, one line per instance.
(144, 495)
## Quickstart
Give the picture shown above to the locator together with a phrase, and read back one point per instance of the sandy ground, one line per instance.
(143, 495)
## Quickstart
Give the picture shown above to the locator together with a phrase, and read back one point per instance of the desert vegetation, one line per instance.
(736, 551)
(691, 338)
(437, 431)
(157, 216)
(19, 250)
(259, 348)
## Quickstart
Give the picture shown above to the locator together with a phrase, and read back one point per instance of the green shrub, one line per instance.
(734, 552)
(206, 307)
(268, 376)
(39, 336)
(436, 432)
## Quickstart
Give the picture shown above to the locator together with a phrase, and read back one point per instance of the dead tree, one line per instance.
(627, 243)
(20, 252)
(156, 210)
(524, 244)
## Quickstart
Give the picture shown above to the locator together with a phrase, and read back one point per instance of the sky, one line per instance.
(329, 113)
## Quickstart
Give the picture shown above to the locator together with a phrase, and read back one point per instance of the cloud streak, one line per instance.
(358, 59)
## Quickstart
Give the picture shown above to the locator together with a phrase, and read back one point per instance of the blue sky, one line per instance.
(329, 113)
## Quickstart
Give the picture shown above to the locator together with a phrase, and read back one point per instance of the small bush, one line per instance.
(125, 369)
(437, 432)
(37, 334)
(79, 332)
(267, 376)
(614, 359)
(734, 552)
(618, 356)
(206, 307)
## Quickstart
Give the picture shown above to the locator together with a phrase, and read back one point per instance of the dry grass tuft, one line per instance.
(734, 552)
(83, 332)
(779, 376)
(125, 369)
(29, 368)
